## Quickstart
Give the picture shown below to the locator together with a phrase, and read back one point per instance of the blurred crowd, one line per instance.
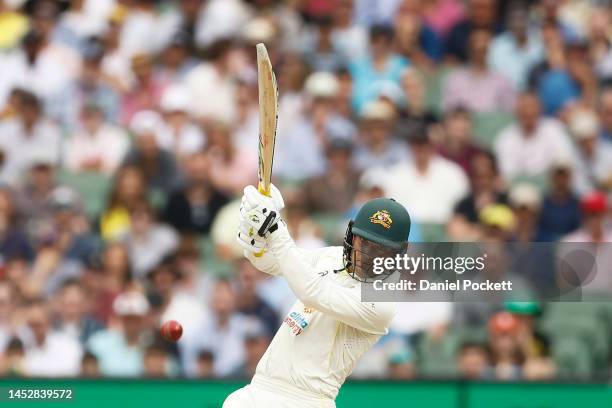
(128, 129)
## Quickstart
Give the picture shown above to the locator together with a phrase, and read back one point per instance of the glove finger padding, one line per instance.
(249, 241)
(252, 198)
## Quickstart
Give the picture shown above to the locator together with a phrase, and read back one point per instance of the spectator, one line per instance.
(416, 40)
(97, 145)
(380, 66)
(106, 278)
(77, 24)
(48, 353)
(306, 232)
(515, 52)
(205, 365)
(442, 15)
(13, 238)
(526, 201)
(116, 66)
(145, 30)
(529, 147)
(605, 114)
(89, 366)
(440, 183)
(90, 87)
(506, 357)
(219, 19)
(347, 37)
(213, 77)
(475, 86)
(156, 361)
(13, 361)
(179, 287)
(340, 180)
(594, 231)
(40, 65)
(7, 308)
(63, 242)
(176, 60)
(26, 136)
(535, 345)
(181, 135)
(401, 365)
(569, 80)
(594, 228)
(223, 335)
(256, 341)
(473, 361)
(158, 165)
(120, 350)
(486, 190)
(72, 315)
(145, 92)
(594, 164)
(33, 193)
(148, 241)
(16, 26)
(560, 214)
(231, 167)
(300, 155)
(321, 52)
(481, 15)
(378, 147)
(458, 145)
(128, 190)
(193, 207)
(415, 114)
(249, 303)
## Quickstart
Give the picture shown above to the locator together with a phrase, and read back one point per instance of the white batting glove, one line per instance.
(249, 240)
(261, 212)
(252, 198)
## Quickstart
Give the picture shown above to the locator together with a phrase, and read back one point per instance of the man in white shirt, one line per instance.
(593, 169)
(212, 86)
(531, 146)
(329, 328)
(24, 139)
(96, 146)
(48, 353)
(429, 186)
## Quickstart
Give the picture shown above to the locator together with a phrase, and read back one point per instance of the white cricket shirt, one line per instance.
(327, 330)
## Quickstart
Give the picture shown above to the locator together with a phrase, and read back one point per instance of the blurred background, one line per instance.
(128, 129)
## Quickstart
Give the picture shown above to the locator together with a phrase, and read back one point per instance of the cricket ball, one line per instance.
(171, 330)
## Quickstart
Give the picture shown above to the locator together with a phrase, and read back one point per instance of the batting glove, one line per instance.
(248, 239)
(261, 213)
(252, 198)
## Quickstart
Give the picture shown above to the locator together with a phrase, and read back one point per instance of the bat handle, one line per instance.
(265, 191)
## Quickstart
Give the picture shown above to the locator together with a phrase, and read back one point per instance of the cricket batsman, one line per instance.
(328, 328)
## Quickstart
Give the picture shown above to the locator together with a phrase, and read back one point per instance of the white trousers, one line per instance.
(252, 396)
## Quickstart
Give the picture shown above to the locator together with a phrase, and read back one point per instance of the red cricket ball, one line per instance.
(171, 330)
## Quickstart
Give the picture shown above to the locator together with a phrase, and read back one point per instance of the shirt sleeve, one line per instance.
(341, 303)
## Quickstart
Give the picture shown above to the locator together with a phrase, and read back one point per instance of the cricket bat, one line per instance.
(268, 118)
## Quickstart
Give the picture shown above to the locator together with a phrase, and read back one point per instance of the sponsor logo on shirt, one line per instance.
(297, 322)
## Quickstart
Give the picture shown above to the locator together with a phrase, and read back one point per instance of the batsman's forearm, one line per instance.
(301, 279)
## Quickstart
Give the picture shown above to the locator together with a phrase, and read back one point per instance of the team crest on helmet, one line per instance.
(382, 217)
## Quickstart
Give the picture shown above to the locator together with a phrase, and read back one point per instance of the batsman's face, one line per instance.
(364, 254)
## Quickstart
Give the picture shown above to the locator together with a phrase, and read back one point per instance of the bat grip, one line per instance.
(265, 191)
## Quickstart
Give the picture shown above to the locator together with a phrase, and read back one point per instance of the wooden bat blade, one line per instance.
(268, 117)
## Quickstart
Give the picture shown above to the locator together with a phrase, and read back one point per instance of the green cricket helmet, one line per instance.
(383, 226)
